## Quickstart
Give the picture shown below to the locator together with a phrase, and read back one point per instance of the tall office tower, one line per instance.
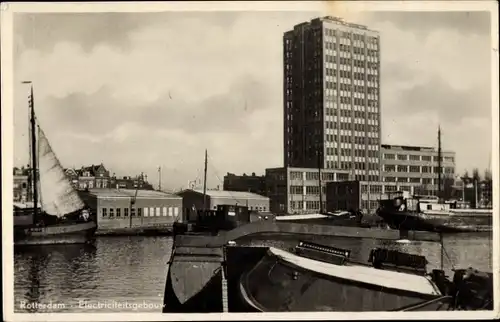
(332, 97)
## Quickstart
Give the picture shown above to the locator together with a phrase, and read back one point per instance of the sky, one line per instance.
(143, 90)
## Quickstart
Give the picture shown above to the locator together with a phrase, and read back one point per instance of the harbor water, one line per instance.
(120, 274)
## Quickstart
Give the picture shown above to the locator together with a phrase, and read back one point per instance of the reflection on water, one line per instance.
(128, 273)
(112, 274)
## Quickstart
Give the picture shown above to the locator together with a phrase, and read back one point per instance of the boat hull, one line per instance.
(71, 233)
(250, 288)
(273, 285)
(406, 220)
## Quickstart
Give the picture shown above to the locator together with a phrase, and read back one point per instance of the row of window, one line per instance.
(410, 180)
(349, 35)
(412, 157)
(350, 126)
(310, 205)
(369, 204)
(348, 88)
(345, 111)
(347, 48)
(417, 169)
(139, 212)
(295, 175)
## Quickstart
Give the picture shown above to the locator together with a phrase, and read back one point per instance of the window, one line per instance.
(402, 168)
(132, 212)
(104, 212)
(426, 158)
(151, 211)
(426, 169)
(158, 211)
(375, 189)
(390, 188)
(402, 179)
(170, 211)
(125, 212)
(426, 181)
(389, 156)
(414, 168)
(415, 180)
(146, 212)
(176, 211)
(312, 190)
(402, 157)
(118, 212)
(405, 188)
(312, 176)
(164, 211)
(139, 212)
(414, 157)
(390, 179)
(389, 168)
(111, 212)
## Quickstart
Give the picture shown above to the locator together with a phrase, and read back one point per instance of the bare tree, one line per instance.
(475, 175)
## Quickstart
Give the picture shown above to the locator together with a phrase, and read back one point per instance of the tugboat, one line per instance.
(401, 211)
(60, 216)
(430, 213)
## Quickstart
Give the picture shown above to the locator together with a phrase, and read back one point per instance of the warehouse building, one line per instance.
(123, 208)
(193, 199)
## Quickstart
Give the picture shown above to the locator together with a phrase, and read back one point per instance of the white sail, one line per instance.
(57, 196)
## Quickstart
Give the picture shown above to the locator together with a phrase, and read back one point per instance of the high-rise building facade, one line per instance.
(331, 97)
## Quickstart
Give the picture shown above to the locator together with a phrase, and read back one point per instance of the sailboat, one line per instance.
(62, 217)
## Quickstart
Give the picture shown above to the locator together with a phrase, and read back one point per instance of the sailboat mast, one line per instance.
(439, 163)
(34, 166)
(205, 182)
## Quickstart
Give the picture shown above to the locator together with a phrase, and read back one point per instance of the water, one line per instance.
(117, 272)
(128, 273)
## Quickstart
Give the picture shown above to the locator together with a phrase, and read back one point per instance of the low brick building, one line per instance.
(192, 200)
(115, 209)
(250, 183)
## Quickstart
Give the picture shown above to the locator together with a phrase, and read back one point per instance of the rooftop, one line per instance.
(411, 148)
(130, 193)
(228, 194)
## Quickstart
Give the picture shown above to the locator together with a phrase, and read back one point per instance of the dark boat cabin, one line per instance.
(225, 217)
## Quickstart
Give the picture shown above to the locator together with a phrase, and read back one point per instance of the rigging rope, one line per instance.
(216, 174)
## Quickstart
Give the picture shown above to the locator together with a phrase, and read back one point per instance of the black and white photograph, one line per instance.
(189, 160)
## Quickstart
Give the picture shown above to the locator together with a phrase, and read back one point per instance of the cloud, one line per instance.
(426, 22)
(136, 91)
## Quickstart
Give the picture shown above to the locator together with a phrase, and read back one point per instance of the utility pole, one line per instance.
(439, 163)
(159, 178)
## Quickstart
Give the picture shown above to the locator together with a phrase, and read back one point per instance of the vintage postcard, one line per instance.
(250, 160)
